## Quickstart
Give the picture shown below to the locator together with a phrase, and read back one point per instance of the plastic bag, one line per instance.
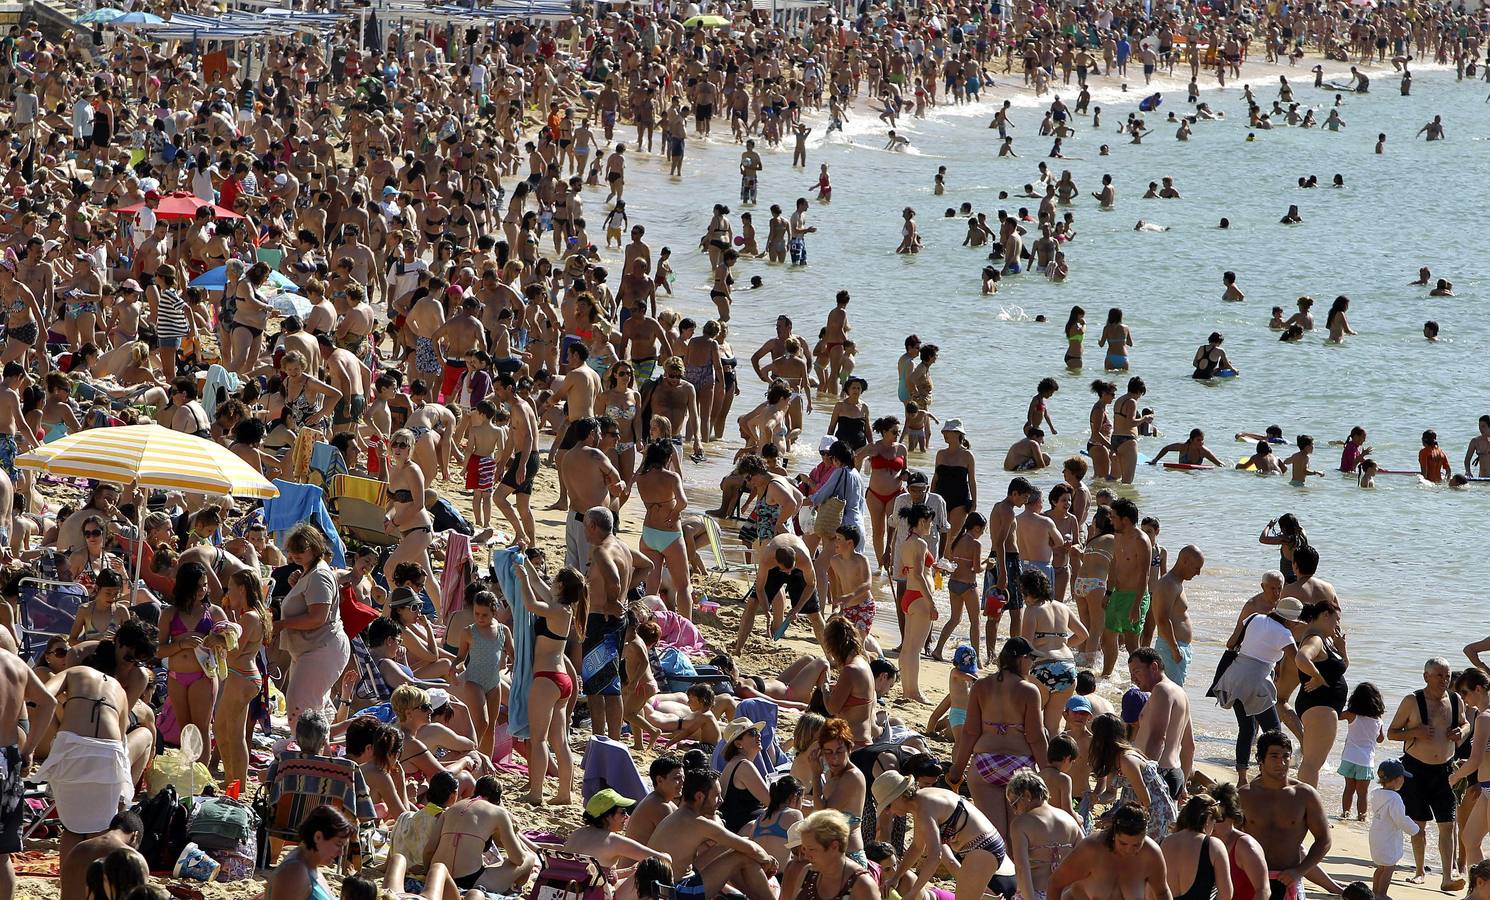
(179, 767)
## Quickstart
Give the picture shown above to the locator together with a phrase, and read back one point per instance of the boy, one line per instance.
(615, 224)
(1298, 463)
(1063, 755)
(1389, 822)
(486, 438)
(699, 725)
(1432, 461)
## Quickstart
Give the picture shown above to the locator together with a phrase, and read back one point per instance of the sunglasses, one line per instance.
(92, 532)
(401, 446)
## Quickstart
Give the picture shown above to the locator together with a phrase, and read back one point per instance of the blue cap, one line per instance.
(1079, 704)
(1392, 768)
(965, 660)
(1134, 701)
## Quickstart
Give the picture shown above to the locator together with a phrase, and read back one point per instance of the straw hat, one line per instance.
(739, 726)
(1289, 608)
(888, 788)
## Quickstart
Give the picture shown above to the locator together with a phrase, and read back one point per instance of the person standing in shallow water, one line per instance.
(1430, 723)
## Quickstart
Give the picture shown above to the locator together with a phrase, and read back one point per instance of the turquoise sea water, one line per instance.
(1406, 558)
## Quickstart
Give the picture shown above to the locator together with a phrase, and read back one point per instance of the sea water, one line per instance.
(1407, 558)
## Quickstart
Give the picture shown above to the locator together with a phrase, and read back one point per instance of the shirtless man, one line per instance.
(423, 323)
(1128, 581)
(1280, 813)
(1172, 613)
(1164, 730)
(645, 342)
(456, 337)
(1430, 722)
(785, 585)
(613, 570)
(676, 400)
(837, 335)
(695, 839)
(15, 437)
(518, 461)
(1038, 538)
(1003, 555)
(124, 831)
(351, 376)
(774, 347)
(590, 480)
(1027, 453)
(666, 773)
(459, 842)
(1121, 861)
(23, 700)
(1477, 455)
(577, 392)
(1309, 588)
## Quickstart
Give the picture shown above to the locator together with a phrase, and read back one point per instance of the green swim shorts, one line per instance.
(1120, 609)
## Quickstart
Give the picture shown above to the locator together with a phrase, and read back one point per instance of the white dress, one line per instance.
(1389, 822)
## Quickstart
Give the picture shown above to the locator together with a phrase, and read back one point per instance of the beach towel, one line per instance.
(608, 764)
(504, 569)
(458, 565)
(678, 632)
(771, 757)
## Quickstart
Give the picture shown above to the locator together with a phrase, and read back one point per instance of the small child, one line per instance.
(1357, 890)
(485, 439)
(1389, 822)
(615, 222)
(1276, 322)
(1062, 754)
(699, 725)
(664, 276)
(1358, 757)
(960, 680)
(1299, 461)
(749, 247)
(917, 430)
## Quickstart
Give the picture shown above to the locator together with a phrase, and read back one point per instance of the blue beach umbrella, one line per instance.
(138, 18)
(216, 279)
(101, 16)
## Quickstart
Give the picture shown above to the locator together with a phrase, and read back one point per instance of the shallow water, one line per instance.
(1412, 206)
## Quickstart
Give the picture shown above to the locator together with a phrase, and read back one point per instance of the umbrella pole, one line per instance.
(134, 586)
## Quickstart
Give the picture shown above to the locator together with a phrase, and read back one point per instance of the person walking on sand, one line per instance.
(1430, 723)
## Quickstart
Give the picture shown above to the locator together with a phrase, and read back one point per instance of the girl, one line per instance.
(1358, 756)
(966, 551)
(914, 568)
(485, 646)
(782, 811)
(1075, 333)
(99, 619)
(245, 606)
(640, 685)
(960, 680)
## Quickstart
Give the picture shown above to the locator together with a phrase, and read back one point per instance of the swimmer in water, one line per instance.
(1276, 322)
(1298, 463)
(1006, 149)
(1293, 334)
(1167, 190)
(1333, 122)
(897, 142)
(1367, 476)
(1273, 434)
(1210, 360)
(1264, 460)
(1107, 196)
(1430, 330)
(1191, 452)
(1338, 181)
(1433, 130)
(939, 183)
(1444, 288)
(1291, 217)
(1381, 143)
(1303, 319)
(991, 278)
(1144, 225)
(1232, 293)
(1425, 275)
(1225, 223)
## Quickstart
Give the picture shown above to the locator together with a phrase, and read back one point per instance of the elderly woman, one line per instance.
(1040, 835)
(310, 627)
(941, 819)
(188, 624)
(601, 837)
(1195, 863)
(551, 693)
(1004, 732)
(1247, 687)
(429, 747)
(830, 872)
(323, 836)
(742, 791)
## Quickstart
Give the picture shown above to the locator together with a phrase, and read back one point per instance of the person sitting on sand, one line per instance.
(466, 827)
(601, 838)
(691, 829)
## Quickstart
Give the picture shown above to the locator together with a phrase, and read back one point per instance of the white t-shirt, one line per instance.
(1360, 742)
(1265, 639)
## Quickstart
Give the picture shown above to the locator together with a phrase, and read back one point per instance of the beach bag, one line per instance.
(830, 511)
(164, 835)
(221, 823)
(568, 876)
(1227, 658)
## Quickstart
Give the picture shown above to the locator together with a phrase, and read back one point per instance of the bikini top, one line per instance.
(773, 830)
(930, 560)
(93, 716)
(897, 463)
(541, 629)
(204, 624)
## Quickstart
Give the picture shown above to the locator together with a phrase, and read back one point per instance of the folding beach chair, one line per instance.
(47, 608)
(722, 563)
(371, 688)
(357, 513)
(296, 784)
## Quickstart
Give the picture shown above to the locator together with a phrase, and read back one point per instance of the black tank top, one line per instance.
(737, 805)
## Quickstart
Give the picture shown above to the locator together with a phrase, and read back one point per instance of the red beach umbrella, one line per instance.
(181, 205)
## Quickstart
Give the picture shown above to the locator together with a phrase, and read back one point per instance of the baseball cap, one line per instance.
(1392, 768)
(1079, 704)
(965, 659)
(1134, 701)
(603, 801)
(389, 191)
(152, 195)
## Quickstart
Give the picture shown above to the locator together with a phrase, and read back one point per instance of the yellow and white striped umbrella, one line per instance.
(153, 456)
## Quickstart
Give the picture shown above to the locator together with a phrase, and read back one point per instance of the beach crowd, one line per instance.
(406, 279)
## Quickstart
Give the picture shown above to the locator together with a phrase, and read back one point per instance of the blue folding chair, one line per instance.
(47, 608)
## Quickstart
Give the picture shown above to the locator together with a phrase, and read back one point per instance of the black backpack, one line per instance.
(164, 836)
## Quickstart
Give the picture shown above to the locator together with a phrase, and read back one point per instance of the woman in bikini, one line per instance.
(1135, 777)
(100, 618)
(1040, 835)
(406, 513)
(851, 695)
(551, 694)
(621, 402)
(886, 482)
(914, 568)
(1051, 627)
(187, 623)
(1090, 589)
(782, 811)
(245, 606)
(1246, 863)
(429, 747)
(942, 821)
(23, 315)
(87, 562)
(1075, 335)
(1005, 731)
(245, 308)
(1117, 339)
(661, 490)
(1099, 443)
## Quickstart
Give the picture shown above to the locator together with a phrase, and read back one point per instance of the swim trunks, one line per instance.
(12, 800)
(510, 477)
(481, 473)
(600, 668)
(1427, 794)
(1175, 667)
(1120, 610)
(426, 360)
